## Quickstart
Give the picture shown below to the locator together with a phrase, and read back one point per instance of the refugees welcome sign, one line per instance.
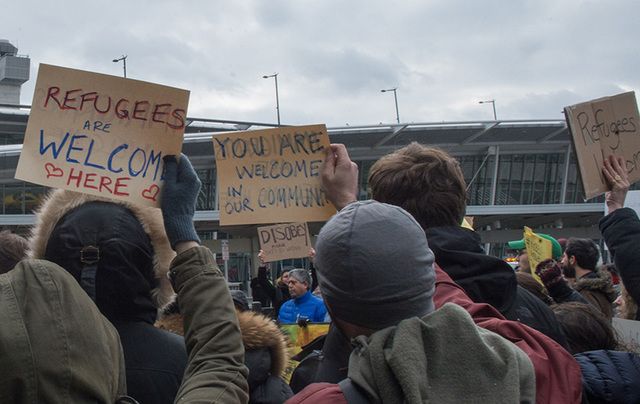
(602, 127)
(101, 135)
(272, 175)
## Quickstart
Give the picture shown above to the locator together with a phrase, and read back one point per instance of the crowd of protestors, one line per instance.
(118, 303)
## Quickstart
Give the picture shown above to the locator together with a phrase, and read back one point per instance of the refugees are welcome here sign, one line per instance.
(101, 134)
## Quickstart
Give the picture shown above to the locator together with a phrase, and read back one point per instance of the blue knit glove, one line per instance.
(179, 196)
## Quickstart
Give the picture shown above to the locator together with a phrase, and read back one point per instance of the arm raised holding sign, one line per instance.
(615, 173)
(621, 227)
(339, 176)
(215, 371)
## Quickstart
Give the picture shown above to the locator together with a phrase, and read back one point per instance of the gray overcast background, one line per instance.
(333, 57)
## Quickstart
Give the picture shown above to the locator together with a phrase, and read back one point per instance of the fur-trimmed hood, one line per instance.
(258, 332)
(597, 281)
(60, 202)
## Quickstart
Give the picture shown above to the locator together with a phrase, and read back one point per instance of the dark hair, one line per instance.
(13, 249)
(585, 327)
(425, 181)
(585, 251)
(527, 281)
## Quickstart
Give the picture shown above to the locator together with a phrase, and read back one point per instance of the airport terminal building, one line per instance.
(519, 173)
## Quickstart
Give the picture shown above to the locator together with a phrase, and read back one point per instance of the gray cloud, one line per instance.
(333, 57)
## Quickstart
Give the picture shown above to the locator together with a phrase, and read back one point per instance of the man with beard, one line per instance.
(579, 262)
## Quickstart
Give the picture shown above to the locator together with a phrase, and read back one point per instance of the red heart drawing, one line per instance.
(53, 171)
(151, 193)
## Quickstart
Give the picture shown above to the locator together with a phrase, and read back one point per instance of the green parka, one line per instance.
(55, 346)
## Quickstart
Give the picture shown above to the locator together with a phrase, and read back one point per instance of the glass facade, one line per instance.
(477, 172)
(523, 179)
(20, 198)
(207, 197)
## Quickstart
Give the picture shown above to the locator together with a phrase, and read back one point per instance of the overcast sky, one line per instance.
(333, 57)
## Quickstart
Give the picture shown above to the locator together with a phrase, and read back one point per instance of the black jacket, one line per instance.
(487, 279)
(621, 232)
(277, 294)
(610, 376)
(329, 363)
(155, 361)
(561, 292)
(264, 387)
(109, 253)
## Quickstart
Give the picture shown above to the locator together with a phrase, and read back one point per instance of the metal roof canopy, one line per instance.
(376, 140)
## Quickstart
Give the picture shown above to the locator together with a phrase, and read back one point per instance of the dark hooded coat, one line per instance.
(119, 255)
(488, 279)
(610, 376)
(621, 232)
(266, 353)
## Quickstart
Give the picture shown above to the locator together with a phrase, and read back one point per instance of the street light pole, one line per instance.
(275, 76)
(124, 63)
(493, 103)
(395, 97)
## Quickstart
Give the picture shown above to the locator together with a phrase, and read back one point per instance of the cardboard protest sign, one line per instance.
(272, 175)
(101, 135)
(600, 128)
(282, 241)
(538, 250)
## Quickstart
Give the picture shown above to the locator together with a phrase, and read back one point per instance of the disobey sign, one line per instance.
(101, 135)
(282, 241)
(272, 175)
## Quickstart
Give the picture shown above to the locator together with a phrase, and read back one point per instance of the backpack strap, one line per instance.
(352, 393)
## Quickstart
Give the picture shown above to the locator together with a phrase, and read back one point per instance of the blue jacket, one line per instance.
(307, 305)
(610, 376)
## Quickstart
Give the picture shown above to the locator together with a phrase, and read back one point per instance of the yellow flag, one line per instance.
(538, 250)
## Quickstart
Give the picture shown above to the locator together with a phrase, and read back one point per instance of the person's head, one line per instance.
(585, 327)
(627, 307)
(13, 248)
(240, 300)
(580, 253)
(426, 182)
(375, 267)
(299, 282)
(119, 253)
(523, 257)
(284, 276)
(523, 261)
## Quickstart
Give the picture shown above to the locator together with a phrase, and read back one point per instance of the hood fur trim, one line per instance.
(602, 284)
(258, 331)
(59, 202)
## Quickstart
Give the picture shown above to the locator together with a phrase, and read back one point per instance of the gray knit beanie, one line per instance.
(374, 265)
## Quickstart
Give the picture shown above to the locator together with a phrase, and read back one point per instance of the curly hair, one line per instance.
(13, 249)
(425, 181)
(585, 327)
